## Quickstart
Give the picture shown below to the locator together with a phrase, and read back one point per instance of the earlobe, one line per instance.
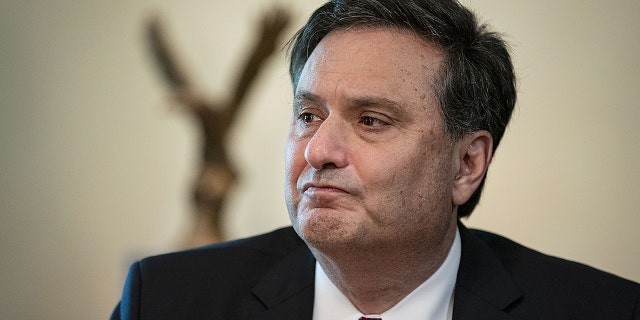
(474, 155)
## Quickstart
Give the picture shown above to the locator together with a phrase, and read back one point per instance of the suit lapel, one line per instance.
(484, 289)
(287, 290)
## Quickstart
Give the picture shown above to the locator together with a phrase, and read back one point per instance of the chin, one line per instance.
(328, 230)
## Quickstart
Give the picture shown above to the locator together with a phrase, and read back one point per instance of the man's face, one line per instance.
(368, 164)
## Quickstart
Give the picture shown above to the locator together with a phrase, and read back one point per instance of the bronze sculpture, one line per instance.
(217, 173)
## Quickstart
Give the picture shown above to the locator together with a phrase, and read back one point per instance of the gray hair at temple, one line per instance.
(476, 86)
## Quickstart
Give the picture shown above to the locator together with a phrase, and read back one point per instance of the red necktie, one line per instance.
(365, 318)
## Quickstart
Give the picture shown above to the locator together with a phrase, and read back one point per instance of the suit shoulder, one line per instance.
(259, 248)
(216, 281)
(528, 284)
(535, 271)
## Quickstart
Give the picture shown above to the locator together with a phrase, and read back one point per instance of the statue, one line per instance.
(217, 173)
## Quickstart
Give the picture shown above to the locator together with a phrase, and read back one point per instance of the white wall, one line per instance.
(95, 164)
(566, 179)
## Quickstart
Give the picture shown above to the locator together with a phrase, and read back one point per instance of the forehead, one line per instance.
(395, 64)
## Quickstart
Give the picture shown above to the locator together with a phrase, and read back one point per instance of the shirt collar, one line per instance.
(433, 299)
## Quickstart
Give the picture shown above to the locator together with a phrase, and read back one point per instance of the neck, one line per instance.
(374, 282)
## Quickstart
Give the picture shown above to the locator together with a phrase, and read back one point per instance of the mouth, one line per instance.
(321, 187)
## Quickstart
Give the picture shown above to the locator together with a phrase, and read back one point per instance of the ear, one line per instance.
(474, 152)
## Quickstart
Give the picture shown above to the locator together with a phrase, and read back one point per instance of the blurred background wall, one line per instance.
(96, 163)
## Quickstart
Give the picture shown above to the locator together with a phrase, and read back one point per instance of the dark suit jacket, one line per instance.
(272, 277)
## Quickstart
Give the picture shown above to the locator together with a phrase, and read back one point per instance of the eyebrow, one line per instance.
(358, 101)
(366, 101)
(305, 97)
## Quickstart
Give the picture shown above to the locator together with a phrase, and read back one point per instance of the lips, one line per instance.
(328, 182)
(321, 187)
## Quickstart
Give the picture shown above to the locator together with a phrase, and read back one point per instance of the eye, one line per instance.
(307, 117)
(369, 121)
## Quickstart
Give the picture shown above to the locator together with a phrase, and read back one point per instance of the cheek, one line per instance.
(294, 161)
(413, 180)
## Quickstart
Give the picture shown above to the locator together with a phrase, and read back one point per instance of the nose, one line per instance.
(328, 148)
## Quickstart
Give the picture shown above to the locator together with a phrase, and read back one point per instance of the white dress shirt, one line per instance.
(432, 300)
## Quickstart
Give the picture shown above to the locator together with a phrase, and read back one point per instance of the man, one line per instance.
(398, 108)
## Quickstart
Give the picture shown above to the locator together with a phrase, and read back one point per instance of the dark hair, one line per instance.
(476, 86)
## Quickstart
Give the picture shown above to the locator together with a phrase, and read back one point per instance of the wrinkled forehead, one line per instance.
(385, 68)
(379, 52)
(427, 52)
